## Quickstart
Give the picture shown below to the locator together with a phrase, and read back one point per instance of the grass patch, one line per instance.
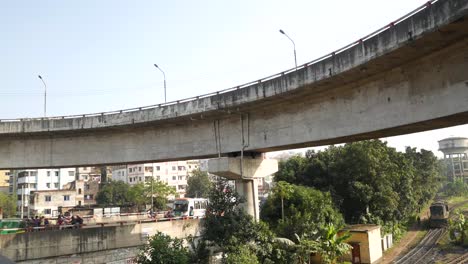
(458, 199)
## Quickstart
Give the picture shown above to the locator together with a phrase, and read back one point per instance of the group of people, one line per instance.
(75, 220)
(36, 222)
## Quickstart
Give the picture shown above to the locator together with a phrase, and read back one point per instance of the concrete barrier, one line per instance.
(53, 243)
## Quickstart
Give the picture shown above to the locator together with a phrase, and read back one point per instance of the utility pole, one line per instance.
(22, 201)
(152, 183)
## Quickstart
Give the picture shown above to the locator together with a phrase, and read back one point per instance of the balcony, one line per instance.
(28, 179)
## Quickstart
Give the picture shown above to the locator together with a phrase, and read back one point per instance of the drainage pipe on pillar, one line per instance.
(243, 146)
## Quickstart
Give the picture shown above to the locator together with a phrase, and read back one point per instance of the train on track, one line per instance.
(439, 214)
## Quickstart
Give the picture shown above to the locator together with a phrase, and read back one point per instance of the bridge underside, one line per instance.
(424, 94)
(421, 85)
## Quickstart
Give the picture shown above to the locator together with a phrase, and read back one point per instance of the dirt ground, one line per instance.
(409, 240)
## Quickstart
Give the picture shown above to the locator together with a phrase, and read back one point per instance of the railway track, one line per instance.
(424, 252)
(459, 260)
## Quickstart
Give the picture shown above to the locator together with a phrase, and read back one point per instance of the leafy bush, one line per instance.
(162, 249)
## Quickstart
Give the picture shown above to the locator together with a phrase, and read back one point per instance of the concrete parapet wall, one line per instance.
(408, 78)
(52, 243)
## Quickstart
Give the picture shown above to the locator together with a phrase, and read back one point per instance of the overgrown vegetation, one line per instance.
(8, 205)
(456, 188)
(368, 181)
(119, 193)
(362, 182)
(198, 184)
(162, 249)
(458, 229)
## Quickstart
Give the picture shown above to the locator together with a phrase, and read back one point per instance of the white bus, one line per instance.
(195, 207)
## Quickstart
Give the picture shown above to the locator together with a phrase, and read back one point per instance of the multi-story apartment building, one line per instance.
(174, 173)
(4, 181)
(23, 182)
(52, 202)
(455, 151)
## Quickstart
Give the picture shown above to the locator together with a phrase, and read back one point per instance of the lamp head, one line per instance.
(40, 77)
(155, 65)
(281, 31)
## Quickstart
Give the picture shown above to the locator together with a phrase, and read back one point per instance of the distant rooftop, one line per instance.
(361, 228)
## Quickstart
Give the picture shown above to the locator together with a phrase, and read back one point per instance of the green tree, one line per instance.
(114, 193)
(8, 205)
(138, 196)
(306, 211)
(458, 228)
(160, 191)
(283, 190)
(162, 249)
(332, 245)
(456, 188)
(368, 181)
(198, 184)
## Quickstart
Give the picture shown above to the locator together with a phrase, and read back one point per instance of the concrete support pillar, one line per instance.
(244, 171)
(248, 189)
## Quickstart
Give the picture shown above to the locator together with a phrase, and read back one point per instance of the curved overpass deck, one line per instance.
(408, 77)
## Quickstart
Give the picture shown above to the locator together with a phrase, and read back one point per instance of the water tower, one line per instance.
(455, 151)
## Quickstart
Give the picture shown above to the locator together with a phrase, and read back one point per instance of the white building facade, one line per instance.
(173, 173)
(23, 182)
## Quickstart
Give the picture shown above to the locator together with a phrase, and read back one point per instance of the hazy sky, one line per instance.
(98, 55)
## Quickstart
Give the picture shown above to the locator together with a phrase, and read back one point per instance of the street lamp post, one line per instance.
(155, 65)
(152, 183)
(45, 95)
(294, 45)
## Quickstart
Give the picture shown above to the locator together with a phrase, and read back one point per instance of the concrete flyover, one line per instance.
(410, 76)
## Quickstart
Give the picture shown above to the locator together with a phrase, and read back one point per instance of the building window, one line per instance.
(147, 179)
(56, 185)
(48, 198)
(174, 178)
(158, 168)
(48, 185)
(181, 177)
(88, 197)
(173, 168)
(148, 169)
(66, 197)
(139, 178)
(181, 187)
(79, 191)
(79, 203)
(48, 173)
(158, 178)
(33, 173)
(56, 173)
(130, 179)
(181, 168)
(47, 211)
(86, 187)
(139, 168)
(131, 170)
(71, 173)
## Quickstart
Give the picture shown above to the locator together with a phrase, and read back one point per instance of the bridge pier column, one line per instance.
(244, 171)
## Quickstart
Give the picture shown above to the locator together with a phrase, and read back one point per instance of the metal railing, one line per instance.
(128, 110)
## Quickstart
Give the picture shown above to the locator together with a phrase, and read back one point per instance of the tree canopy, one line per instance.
(198, 184)
(369, 181)
(8, 205)
(307, 211)
(119, 193)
